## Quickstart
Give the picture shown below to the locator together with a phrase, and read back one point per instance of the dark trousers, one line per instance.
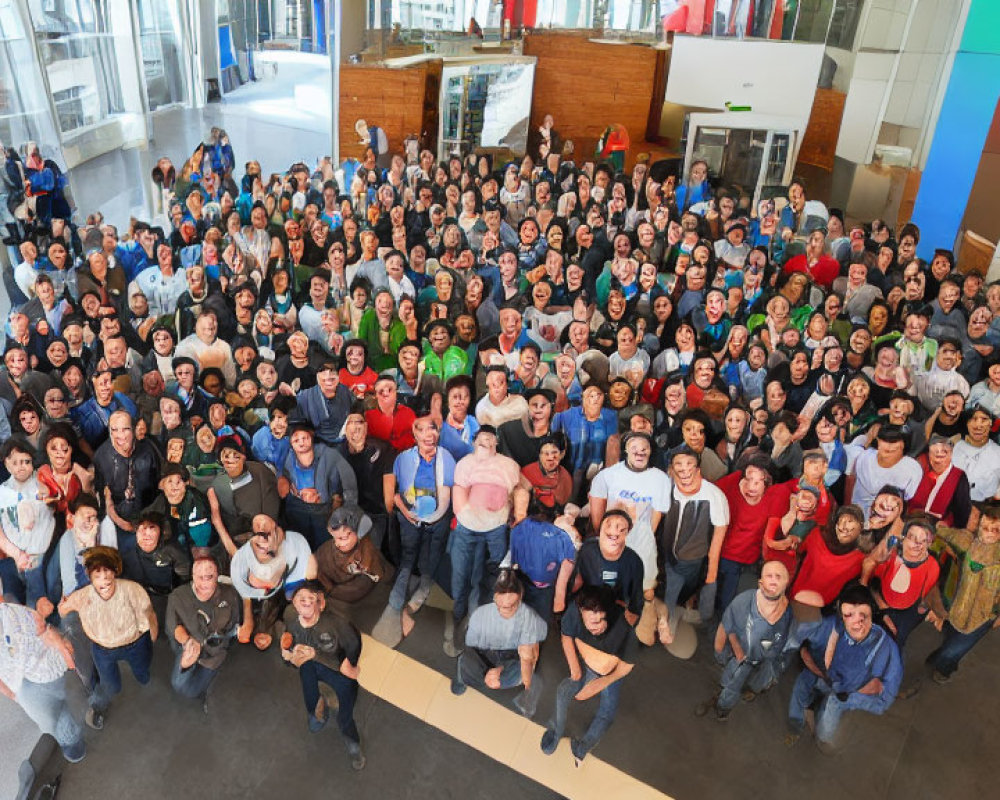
(955, 647)
(309, 519)
(310, 674)
(138, 655)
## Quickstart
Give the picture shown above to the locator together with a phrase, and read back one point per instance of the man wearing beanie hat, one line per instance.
(118, 618)
(349, 564)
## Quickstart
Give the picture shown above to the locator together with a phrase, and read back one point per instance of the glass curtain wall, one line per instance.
(25, 114)
(162, 52)
(88, 52)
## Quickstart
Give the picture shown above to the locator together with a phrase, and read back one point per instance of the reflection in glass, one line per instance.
(24, 113)
(159, 34)
(77, 47)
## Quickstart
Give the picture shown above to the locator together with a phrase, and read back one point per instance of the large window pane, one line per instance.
(24, 111)
(162, 52)
(84, 58)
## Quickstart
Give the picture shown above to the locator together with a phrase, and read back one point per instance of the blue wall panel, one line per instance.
(956, 149)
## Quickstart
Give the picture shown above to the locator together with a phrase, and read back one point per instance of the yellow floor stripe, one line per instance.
(490, 728)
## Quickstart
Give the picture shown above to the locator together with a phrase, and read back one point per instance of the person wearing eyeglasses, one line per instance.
(975, 608)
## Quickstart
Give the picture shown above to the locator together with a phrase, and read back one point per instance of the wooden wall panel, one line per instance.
(820, 141)
(393, 99)
(586, 86)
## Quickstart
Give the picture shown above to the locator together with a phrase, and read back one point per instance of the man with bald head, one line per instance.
(750, 641)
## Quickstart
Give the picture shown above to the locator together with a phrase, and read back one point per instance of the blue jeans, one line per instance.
(309, 519)
(470, 577)
(606, 711)
(193, 681)
(728, 581)
(472, 668)
(955, 646)
(22, 586)
(45, 703)
(736, 675)
(422, 546)
(809, 688)
(83, 657)
(310, 674)
(138, 655)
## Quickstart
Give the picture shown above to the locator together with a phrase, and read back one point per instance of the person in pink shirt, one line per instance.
(481, 500)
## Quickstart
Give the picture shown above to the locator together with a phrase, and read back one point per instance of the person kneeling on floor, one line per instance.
(502, 644)
(851, 663)
(750, 641)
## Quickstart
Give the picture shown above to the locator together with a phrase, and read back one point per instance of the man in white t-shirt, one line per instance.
(887, 464)
(643, 492)
(979, 457)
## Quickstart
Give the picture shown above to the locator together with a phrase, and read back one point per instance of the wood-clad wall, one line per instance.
(395, 100)
(586, 86)
(819, 145)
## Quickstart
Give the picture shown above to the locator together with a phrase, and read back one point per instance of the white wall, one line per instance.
(772, 77)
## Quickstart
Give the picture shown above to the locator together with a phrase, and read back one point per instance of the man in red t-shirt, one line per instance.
(752, 499)
(390, 420)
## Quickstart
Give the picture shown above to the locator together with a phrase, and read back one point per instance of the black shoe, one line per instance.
(457, 687)
(549, 741)
(94, 719)
(703, 708)
(358, 759)
(576, 746)
(940, 678)
(721, 715)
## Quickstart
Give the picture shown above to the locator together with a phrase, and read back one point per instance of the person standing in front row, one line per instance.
(324, 647)
(119, 620)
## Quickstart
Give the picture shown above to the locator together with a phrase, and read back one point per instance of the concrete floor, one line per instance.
(254, 739)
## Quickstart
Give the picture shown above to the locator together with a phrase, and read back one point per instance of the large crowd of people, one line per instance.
(600, 406)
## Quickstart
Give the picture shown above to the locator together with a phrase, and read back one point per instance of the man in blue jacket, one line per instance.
(851, 664)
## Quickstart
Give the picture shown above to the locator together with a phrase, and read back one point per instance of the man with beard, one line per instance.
(750, 641)
(127, 473)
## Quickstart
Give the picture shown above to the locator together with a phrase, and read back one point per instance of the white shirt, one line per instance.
(869, 478)
(981, 465)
